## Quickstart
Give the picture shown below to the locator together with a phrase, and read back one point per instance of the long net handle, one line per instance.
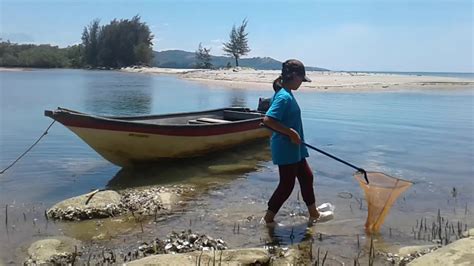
(361, 170)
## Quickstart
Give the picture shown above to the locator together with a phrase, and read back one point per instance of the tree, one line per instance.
(203, 57)
(238, 43)
(90, 39)
(41, 56)
(120, 43)
(74, 55)
(143, 54)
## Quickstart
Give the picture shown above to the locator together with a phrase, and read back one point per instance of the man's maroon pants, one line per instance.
(288, 174)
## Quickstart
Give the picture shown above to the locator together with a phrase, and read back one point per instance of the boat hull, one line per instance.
(127, 142)
(131, 148)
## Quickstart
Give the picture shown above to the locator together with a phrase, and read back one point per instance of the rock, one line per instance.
(409, 250)
(103, 204)
(289, 257)
(100, 204)
(225, 257)
(460, 252)
(142, 201)
(231, 168)
(168, 199)
(184, 242)
(58, 250)
(100, 236)
(187, 241)
(150, 200)
(468, 233)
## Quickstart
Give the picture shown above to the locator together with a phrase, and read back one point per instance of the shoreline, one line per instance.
(323, 81)
(14, 69)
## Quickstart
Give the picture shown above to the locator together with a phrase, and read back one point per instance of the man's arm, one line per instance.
(279, 127)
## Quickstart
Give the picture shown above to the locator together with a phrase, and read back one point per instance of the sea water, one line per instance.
(423, 136)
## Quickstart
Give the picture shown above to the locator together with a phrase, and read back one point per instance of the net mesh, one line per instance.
(380, 194)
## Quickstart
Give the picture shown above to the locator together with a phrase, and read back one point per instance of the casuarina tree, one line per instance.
(90, 37)
(203, 57)
(120, 43)
(238, 43)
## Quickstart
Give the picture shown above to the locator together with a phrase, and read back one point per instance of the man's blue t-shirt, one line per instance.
(285, 110)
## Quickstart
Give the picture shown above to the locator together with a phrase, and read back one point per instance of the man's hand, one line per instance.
(294, 137)
(278, 127)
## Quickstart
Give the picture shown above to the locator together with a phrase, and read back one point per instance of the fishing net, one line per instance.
(380, 194)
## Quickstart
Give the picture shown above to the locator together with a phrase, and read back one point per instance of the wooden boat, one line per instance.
(126, 141)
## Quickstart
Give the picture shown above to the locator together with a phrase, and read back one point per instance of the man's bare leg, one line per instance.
(269, 216)
(313, 212)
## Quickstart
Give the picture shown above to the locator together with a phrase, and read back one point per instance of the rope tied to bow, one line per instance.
(29, 149)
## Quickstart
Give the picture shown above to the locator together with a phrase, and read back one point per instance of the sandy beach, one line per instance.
(321, 80)
(14, 69)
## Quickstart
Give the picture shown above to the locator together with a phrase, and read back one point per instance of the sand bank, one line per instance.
(322, 80)
(14, 69)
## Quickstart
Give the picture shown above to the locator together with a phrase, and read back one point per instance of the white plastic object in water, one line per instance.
(326, 207)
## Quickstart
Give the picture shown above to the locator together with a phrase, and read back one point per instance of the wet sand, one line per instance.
(243, 78)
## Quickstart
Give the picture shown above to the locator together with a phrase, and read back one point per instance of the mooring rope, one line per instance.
(31, 147)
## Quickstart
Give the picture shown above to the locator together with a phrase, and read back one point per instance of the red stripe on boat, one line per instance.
(170, 130)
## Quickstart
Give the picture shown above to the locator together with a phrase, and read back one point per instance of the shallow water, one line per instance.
(423, 136)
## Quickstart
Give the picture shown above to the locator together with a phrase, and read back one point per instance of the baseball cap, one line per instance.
(294, 66)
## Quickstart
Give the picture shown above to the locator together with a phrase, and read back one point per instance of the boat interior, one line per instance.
(213, 117)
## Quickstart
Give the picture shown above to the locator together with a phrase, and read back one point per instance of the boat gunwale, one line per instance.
(131, 118)
(71, 118)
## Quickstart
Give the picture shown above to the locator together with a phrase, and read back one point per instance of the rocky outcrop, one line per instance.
(468, 233)
(460, 252)
(109, 203)
(96, 204)
(56, 251)
(410, 250)
(249, 256)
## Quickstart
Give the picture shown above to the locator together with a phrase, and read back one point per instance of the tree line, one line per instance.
(120, 43)
(41, 56)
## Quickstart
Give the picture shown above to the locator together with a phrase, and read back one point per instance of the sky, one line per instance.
(351, 35)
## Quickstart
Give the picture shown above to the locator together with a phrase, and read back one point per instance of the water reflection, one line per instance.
(237, 98)
(201, 171)
(121, 95)
(283, 235)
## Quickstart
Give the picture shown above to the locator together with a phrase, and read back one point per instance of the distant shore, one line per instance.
(243, 78)
(13, 69)
(323, 81)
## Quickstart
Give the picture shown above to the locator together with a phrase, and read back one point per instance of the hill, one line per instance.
(183, 59)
